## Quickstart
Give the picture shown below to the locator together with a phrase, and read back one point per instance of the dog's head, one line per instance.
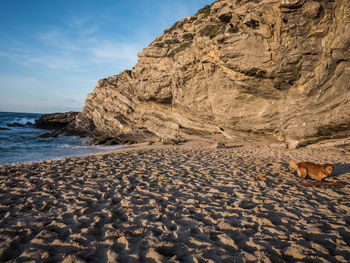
(329, 168)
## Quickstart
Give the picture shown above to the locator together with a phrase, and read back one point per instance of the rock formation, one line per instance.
(275, 68)
(61, 123)
(55, 121)
(20, 125)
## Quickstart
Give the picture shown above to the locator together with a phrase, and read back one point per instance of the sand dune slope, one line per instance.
(175, 204)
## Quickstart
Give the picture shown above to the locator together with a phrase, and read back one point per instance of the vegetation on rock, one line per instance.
(180, 48)
(212, 30)
(205, 10)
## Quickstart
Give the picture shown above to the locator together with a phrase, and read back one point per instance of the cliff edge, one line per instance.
(271, 68)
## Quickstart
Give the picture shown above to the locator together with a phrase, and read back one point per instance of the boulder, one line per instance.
(20, 125)
(60, 123)
(55, 121)
(53, 134)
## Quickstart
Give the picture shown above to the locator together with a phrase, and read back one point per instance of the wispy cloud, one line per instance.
(77, 22)
(67, 49)
(57, 39)
(83, 26)
(81, 42)
(89, 31)
(29, 57)
(108, 51)
(59, 50)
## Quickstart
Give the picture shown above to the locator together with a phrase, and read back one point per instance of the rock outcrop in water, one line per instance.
(275, 68)
(55, 121)
(61, 123)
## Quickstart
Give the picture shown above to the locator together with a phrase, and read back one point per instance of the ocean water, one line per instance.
(21, 145)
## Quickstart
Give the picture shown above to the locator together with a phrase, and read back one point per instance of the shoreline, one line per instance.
(99, 151)
(184, 203)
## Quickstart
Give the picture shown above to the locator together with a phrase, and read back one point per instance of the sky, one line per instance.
(53, 52)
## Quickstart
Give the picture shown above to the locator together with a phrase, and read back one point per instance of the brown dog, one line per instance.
(312, 170)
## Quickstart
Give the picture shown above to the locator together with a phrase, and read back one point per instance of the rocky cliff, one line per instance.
(275, 68)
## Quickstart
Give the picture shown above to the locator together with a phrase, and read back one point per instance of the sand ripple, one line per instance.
(175, 204)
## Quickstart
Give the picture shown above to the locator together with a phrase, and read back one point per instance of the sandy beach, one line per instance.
(182, 203)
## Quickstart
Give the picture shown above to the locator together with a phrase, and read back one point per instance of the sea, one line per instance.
(20, 145)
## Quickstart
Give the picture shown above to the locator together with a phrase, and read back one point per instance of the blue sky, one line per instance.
(52, 52)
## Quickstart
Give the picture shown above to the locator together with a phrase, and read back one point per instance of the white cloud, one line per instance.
(77, 22)
(16, 84)
(107, 51)
(89, 31)
(66, 56)
(58, 39)
(58, 49)
(29, 57)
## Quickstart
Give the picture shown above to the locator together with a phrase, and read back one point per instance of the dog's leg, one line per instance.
(302, 172)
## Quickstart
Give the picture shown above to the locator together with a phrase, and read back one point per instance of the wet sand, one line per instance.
(189, 203)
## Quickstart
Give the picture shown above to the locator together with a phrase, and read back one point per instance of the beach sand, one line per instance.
(186, 203)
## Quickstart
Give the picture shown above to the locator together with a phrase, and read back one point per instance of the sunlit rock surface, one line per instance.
(277, 69)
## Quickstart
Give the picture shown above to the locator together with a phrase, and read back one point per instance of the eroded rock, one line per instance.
(55, 121)
(262, 68)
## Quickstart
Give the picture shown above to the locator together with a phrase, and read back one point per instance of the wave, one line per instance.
(92, 147)
(20, 156)
(24, 120)
(19, 145)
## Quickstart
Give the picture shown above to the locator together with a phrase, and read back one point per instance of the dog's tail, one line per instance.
(293, 164)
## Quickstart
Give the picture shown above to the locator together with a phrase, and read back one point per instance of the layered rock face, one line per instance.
(275, 68)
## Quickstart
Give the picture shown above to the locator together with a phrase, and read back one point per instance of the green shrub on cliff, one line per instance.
(187, 36)
(205, 10)
(171, 41)
(212, 30)
(180, 48)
